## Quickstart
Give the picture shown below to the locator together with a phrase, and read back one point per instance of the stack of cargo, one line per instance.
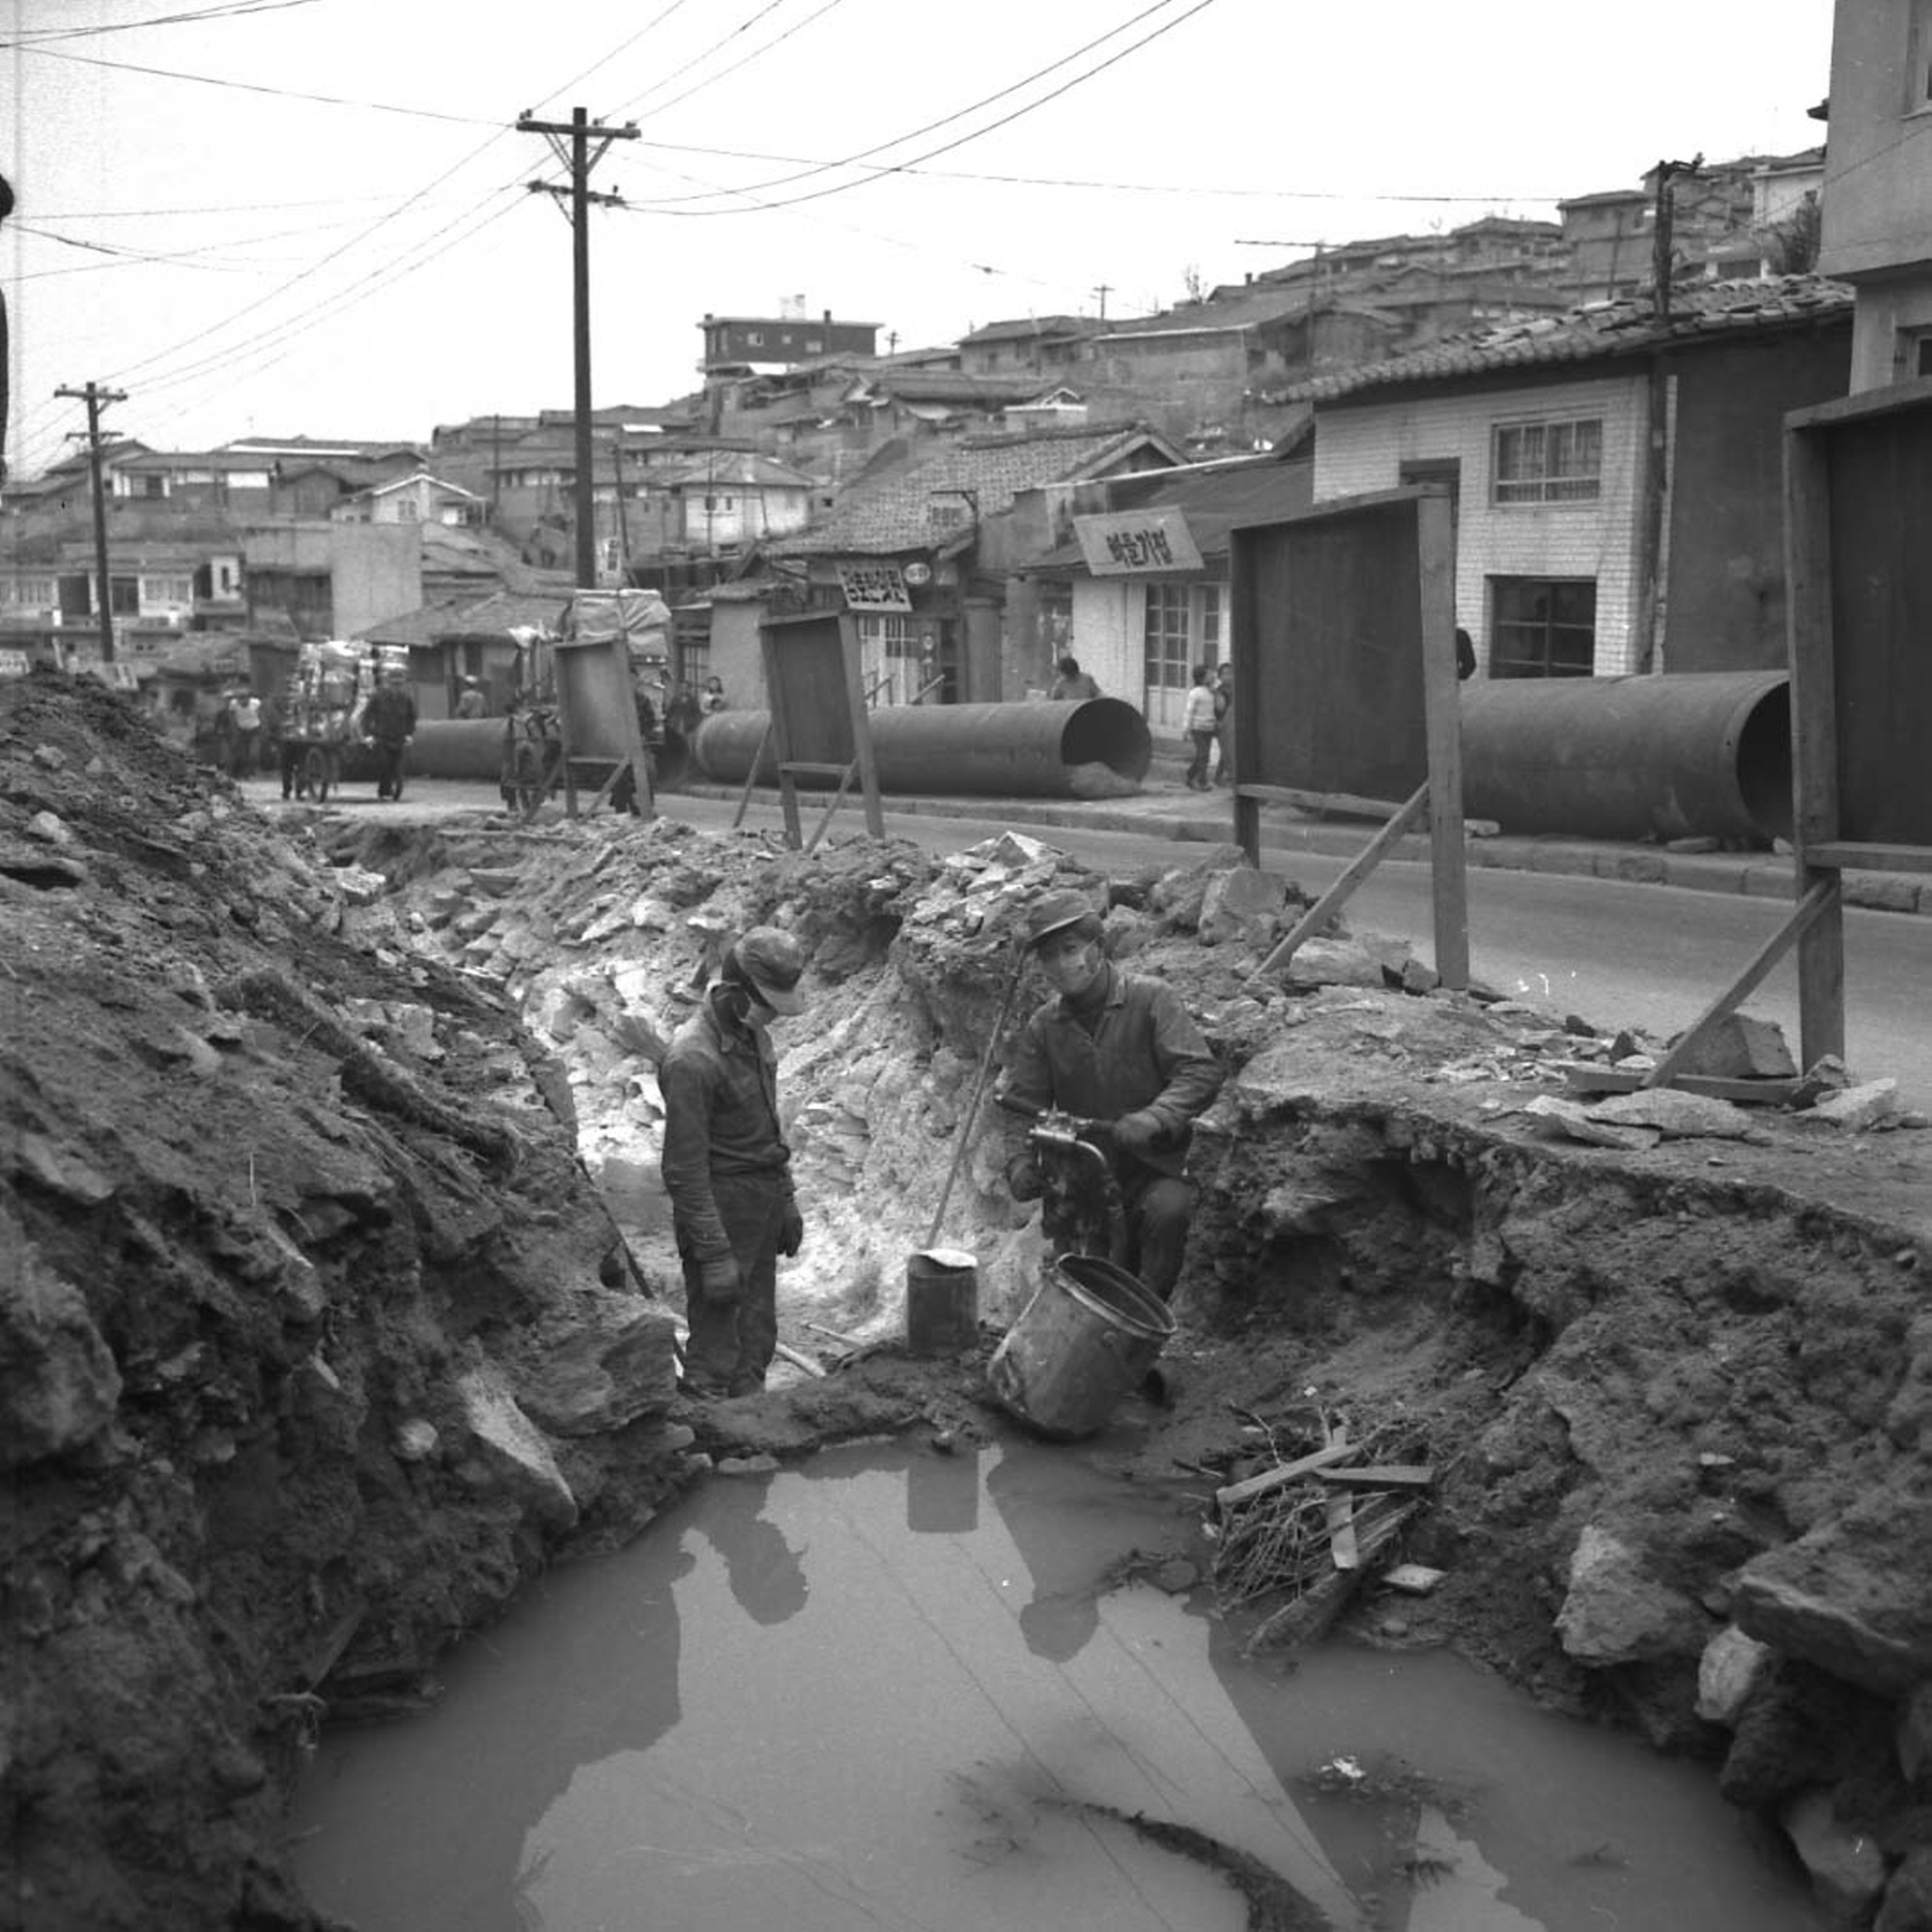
(331, 683)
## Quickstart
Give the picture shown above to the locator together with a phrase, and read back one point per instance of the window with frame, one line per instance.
(34, 593)
(1542, 626)
(1556, 461)
(1184, 623)
(166, 590)
(123, 596)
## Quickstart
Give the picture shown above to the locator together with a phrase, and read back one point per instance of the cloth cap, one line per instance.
(774, 962)
(1053, 911)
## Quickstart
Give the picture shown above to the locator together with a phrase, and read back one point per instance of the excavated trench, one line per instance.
(316, 1351)
(1669, 1396)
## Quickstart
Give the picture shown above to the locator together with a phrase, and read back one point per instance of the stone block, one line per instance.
(605, 1376)
(58, 1383)
(1674, 1114)
(1856, 1108)
(1729, 1667)
(1740, 1046)
(507, 1451)
(1615, 1612)
(1847, 1869)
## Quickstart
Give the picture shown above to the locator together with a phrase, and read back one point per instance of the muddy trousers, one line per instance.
(733, 1343)
(1158, 1208)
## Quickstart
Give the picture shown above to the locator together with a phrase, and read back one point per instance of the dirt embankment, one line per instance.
(307, 1353)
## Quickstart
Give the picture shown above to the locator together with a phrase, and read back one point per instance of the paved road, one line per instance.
(1649, 957)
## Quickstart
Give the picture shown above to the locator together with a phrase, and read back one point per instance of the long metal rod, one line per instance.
(978, 1089)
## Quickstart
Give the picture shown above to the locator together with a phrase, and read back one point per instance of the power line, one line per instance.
(758, 52)
(232, 9)
(974, 134)
(932, 127)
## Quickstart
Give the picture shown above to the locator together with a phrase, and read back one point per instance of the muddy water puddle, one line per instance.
(901, 1690)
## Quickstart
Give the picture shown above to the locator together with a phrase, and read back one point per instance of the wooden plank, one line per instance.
(1442, 718)
(1246, 1490)
(1822, 897)
(1337, 896)
(1810, 645)
(1416, 1579)
(813, 768)
(1317, 801)
(1381, 1476)
(1853, 855)
(1339, 1515)
(1590, 1076)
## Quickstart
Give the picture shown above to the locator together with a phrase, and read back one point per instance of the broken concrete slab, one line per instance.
(1574, 1119)
(1675, 1114)
(507, 1449)
(1857, 1108)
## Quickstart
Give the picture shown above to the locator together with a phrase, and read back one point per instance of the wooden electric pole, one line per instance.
(96, 398)
(580, 158)
(1662, 223)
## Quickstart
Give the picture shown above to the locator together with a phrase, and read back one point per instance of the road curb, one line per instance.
(1149, 816)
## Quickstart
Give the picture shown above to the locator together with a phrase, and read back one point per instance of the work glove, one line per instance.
(719, 1280)
(791, 1230)
(1139, 1133)
(1025, 1182)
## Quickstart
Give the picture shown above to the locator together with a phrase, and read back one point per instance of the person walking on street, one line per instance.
(245, 743)
(1073, 684)
(1120, 1050)
(389, 723)
(1197, 721)
(1223, 725)
(472, 703)
(727, 1167)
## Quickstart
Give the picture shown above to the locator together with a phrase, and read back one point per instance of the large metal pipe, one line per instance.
(1692, 754)
(1098, 748)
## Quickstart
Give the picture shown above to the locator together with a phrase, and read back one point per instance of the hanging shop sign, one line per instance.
(874, 587)
(1137, 543)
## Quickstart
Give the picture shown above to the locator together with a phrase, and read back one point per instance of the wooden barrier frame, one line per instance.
(806, 738)
(1819, 724)
(1438, 801)
(593, 679)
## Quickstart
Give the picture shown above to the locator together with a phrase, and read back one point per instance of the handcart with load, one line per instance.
(322, 739)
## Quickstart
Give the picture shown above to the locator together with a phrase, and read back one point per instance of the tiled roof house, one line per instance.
(1616, 471)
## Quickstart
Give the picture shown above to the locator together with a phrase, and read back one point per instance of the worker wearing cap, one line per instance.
(1118, 1049)
(726, 1168)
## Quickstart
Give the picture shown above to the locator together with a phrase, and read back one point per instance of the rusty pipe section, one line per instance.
(1098, 747)
(1685, 756)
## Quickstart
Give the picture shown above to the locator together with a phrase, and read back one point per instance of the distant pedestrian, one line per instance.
(244, 733)
(1223, 725)
(472, 703)
(389, 723)
(1197, 721)
(714, 698)
(1073, 684)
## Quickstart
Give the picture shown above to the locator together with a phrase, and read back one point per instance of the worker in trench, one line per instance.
(727, 1167)
(1121, 1055)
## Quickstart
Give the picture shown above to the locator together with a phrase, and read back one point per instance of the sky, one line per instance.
(279, 217)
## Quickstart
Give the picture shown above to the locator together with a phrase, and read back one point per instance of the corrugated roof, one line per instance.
(1700, 312)
(1025, 328)
(893, 513)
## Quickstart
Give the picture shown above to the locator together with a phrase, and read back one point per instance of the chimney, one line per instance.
(828, 318)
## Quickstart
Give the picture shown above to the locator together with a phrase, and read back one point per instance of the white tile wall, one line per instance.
(1359, 448)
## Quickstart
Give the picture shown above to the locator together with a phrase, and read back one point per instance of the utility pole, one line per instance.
(1104, 290)
(580, 158)
(1662, 223)
(96, 398)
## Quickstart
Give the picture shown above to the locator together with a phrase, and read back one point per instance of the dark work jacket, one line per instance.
(1145, 1055)
(390, 716)
(718, 1082)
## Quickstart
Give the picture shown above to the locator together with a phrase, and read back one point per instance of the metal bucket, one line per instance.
(1090, 1334)
(941, 1304)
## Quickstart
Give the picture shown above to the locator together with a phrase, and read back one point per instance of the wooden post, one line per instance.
(1448, 862)
(1815, 740)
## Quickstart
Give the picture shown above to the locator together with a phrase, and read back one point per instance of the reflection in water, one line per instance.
(865, 1727)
